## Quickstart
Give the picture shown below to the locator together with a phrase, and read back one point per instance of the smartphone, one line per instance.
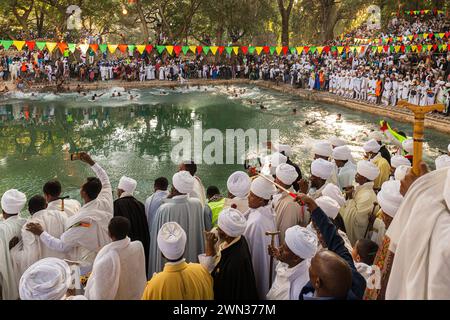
(74, 156)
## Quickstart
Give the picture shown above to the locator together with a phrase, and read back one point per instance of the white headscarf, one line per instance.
(286, 173)
(368, 170)
(239, 184)
(183, 182)
(342, 153)
(232, 222)
(323, 148)
(399, 160)
(301, 241)
(408, 145)
(322, 168)
(13, 201)
(401, 172)
(172, 240)
(127, 184)
(329, 206)
(331, 190)
(372, 146)
(46, 279)
(443, 161)
(262, 188)
(390, 197)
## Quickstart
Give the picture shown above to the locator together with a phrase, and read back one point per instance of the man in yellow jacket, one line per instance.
(372, 148)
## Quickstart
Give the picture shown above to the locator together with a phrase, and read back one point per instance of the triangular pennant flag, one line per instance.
(397, 49)
(18, 44)
(419, 48)
(272, 50)
(441, 35)
(214, 49)
(177, 49)
(199, 49)
(221, 48)
(319, 50)
(285, 50)
(51, 46)
(123, 47)
(441, 47)
(160, 49)
(140, 48)
(380, 49)
(83, 48)
(192, 48)
(8, 43)
(148, 48)
(94, 47)
(429, 47)
(430, 36)
(206, 49)
(266, 49)
(434, 47)
(299, 50)
(408, 49)
(185, 49)
(361, 49)
(112, 48)
(103, 47)
(251, 50)
(326, 49)
(374, 49)
(447, 34)
(131, 48)
(292, 50)
(402, 48)
(410, 38)
(62, 46)
(236, 50)
(414, 48)
(30, 45)
(340, 49)
(386, 48)
(279, 50)
(169, 49)
(228, 50)
(72, 47)
(425, 35)
(244, 49)
(313, 49)
(40, 45)
(391, 49)
(448, 47)
(306, 49)
(258, 50)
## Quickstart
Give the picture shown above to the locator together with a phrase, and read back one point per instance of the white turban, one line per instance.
(335, 141)
(401, 172)
(183, 181)
(322, 168)
(323, 148)
(276, 159)
(301, 241)
(284, 148)
(239, 184)
(342, 153)
(286, 173)
(442, 161)
(372, 146)
(399, 160)
(46, 279)
(13, 201)
(408, 145)
(329, 206)
(389, 197)
(232, 222)
(331, 190)
(172, 240)
(448, 148)
(262, 188)
(368, 170)
(376, 135)
(127, 184)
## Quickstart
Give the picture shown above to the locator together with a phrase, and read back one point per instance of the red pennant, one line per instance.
(266, 49)
(422, 11)
(431, 35)
(415, 36)
(62, 46)
(385, 48)
(148, 48)
(411, 12)
(447, 34)
(177, 50)
(94, 47)
(221, 48)
(326, 49)
(362, 49)
(305, 49)
(435, 47)
(199, 49)
(123, 47)
(402, 48)
(419, 48)
(448, 47)
(30, 45)
(285, 50)
(244, 49)
(390, 40)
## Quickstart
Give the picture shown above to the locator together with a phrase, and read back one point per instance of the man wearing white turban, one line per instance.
(372, 149)
(260, 219)
(443, 161)
(397, 161)
(323, 150)
(179, 280)
(401, 172)
(119, 268)
(336, 142)
(238, 185)
(408, 149)
(12, 203)
(186, 211)
(131, 208)
(288, 212)
(379, 136)
(228, 259)
(294, 259)
(198, 190)
(321, 171)
(346, 168)
(361, 202)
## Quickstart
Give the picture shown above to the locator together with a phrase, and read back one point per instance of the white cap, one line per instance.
(390, 197)
(329, 206)
(286, 174)
(301, 241)
(183, 182)
(262, 188)
(376, 135)
(232, 222)
(172, 240)
(342, 153)
(238, 184)
(331, 190)
(443, 161)
(13, 201)
(275, 160)
(399, 160)
(127, 184)
(448, 148)
(336, 142)
(372, 146)
(401, 172)
(408, 145)
(284, 148)
(322, 168)
(323, 148)
(368, 170)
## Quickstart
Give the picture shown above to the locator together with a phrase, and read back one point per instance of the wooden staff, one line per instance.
(272, 243)
(293, 195)
(62, 202)
(371, 219)
(419, 120)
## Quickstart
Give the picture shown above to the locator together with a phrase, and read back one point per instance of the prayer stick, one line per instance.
(272, 243)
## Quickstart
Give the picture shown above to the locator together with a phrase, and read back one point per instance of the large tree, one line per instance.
(285, 12)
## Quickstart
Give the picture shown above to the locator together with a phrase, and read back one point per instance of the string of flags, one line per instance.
(423, 12)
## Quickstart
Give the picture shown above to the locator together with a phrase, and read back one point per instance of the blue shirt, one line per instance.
(152, 204)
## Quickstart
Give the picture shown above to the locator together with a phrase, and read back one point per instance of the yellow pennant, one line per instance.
(18, 44)
(425, 35)
(236, 50)
(429, 47)
(258, 50)
(169, 49)
(214, 49)
(426, 11)
(278, 50)
(140, 48)
(380, 49)
(50, 46)
(410, 38)
(299, 50)
(414, 48)
(193, 48)
(319, 50)
(112, 48)
(340, 49)
(441, 35)
(83, 48)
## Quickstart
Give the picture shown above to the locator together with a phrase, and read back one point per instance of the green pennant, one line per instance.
(6, 44)
(374, 48)
(131, 47)
(160, 49)
(228, 49)
(312, 49)
(251, 50)
(441, 46)
(185, 49)
(103, 47)
(40, 45)
(206, 49)
(292, 50)
(333, 48)
(72, 47)
(408, 49)
(392, 49)
(272, 50)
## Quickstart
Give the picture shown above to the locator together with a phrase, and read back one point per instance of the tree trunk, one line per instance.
(330, 15)
(143, 21)
(285, 30)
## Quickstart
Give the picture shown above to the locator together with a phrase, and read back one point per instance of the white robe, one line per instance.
(420, 234)
(289, 282)
(258, 222)
(199, 191)
(118, 272)
(71, 206)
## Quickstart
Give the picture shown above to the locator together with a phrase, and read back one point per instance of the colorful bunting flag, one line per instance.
(221, 48)
(6, 44)
(18, 44)
(199, 49)
(285, 50)
(214, 49)
(131, 48)
(73, 47)
(177, 50)
(228, 50)
(206, 49)
(83, 48)
(258, 50)
(140, 48)
(272, 50)
(192, 48)
(236, 50)
(30, 45)
(103, 47)
(62, 46)
(94, 47)
(169, 49)
(148, 48)
(112, 48)
(51, 46)
(185, 49)
(278, 49)
(299, 50)
(160, 49)
(251, 50)
(244, 49)
(123, 48)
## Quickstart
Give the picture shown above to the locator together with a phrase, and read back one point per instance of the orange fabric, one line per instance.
(378, 88)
